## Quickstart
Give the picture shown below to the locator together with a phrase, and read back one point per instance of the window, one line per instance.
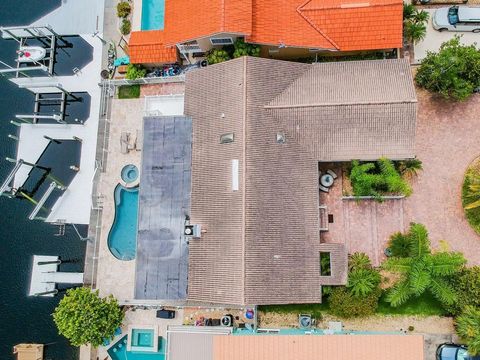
(221, 41)
(190, 47)
(227, 138)
(325, 264)
(453, 15)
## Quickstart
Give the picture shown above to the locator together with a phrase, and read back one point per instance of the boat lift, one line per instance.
(43, 34)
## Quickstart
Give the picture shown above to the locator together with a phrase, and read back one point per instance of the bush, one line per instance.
(363, 282)
(126, 27)
(244, 49)
(408, 168)
(453, 72)
(129, 91)
(467, 287)
(216, 56)
(399, 245)
(471, 195)
(83, 317)
(377, 179)
(468, 328)
(135, 72)
(344, 304)
(123, 9)
(358, 261)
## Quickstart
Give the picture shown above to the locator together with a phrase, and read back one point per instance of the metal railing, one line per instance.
(148, 80)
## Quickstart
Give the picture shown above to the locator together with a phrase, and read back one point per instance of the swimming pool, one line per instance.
(119, 351)
(153, 14)
(122, 238)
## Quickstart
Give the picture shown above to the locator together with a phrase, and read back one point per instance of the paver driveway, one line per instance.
(448, 139)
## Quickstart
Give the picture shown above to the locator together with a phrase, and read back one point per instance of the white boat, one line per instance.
(31, 53)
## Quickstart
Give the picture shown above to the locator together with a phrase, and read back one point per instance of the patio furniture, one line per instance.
(139, 142)
(332, 173)
(323, 188)
(322, 209)
(124, 140)
(326, 180)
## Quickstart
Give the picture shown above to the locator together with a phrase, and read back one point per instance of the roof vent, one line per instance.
(281, 138)
(227, 138)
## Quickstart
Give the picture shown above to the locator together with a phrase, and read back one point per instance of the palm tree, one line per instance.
(423, 270)
(363, 282)
(468, 328)
(359, 260)
(414, 31)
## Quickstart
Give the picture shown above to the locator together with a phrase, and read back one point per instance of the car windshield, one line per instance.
(453, 15)
(462, 354)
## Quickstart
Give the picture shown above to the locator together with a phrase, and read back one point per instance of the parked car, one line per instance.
(449, 351)
(165, 314)
(457, 18)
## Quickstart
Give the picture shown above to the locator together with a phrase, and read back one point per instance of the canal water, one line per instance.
(23, 318)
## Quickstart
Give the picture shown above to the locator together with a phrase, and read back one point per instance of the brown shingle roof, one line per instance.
(262, 241)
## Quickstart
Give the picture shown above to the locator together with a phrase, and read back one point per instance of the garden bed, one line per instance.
(472, 175)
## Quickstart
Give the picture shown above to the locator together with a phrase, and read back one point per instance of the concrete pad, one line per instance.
(435, 38)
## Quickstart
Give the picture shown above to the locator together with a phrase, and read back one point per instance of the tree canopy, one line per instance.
(83, 317)
(468, 328)
(453, 72)
(422, 270)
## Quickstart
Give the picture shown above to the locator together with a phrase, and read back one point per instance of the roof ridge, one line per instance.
(312, 24)
(293, 106)
(354, 6)
(244, 176)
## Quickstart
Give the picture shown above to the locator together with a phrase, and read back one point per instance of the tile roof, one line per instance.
(332, 347)
(344, 25)
(146, 47)
(262, 241)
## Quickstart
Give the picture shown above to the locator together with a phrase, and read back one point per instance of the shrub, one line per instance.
(126, 27)
(344, 304)
(135, 72)
(399, 245)
(467, 287)
(362, 282)
(123, 9)
(471, 195)
(244, 49)
(83, 317)
(408, 168)
(129, 92)
(377, 179)
(216, 56)
(358, 261)
(468, 328)
(453, 72)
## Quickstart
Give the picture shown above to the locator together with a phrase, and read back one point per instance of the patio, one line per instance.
(446, 143)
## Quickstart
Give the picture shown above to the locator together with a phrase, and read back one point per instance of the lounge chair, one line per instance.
(323, 188)
(139, 142)
(332, 173)
(124, 140)
(132, 143)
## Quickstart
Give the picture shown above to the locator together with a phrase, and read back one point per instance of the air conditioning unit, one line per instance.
(305, 321)
(194, 230)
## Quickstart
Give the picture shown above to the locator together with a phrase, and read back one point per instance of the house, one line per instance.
(220, 344)
(292, 28)
(261, 128)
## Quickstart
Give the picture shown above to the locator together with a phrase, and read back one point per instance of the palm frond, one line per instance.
(446, 263)
(473, 205)
(419, 278)
(396, 264)
(419, 242)
(399, 294)
(442, 291)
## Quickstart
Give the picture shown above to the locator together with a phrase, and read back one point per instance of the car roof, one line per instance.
(449, 352)
(466, 13)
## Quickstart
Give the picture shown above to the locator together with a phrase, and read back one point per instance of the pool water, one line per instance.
(122, 238)
(142, 337)
(119, 351)
(153, 14)
(129, 173)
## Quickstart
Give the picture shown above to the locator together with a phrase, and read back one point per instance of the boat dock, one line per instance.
(45, 276)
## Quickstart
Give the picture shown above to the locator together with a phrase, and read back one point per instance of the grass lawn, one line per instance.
(313, 309)
(129, 91)
(473, 215)
(425, 304)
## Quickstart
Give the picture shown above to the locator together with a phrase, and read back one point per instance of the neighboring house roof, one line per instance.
(262, 242)
(344, 25)
(148, 47)
(332, 347)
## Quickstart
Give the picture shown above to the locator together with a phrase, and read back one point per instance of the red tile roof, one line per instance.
(344, 25)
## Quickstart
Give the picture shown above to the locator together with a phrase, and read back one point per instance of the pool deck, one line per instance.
(114, 276)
